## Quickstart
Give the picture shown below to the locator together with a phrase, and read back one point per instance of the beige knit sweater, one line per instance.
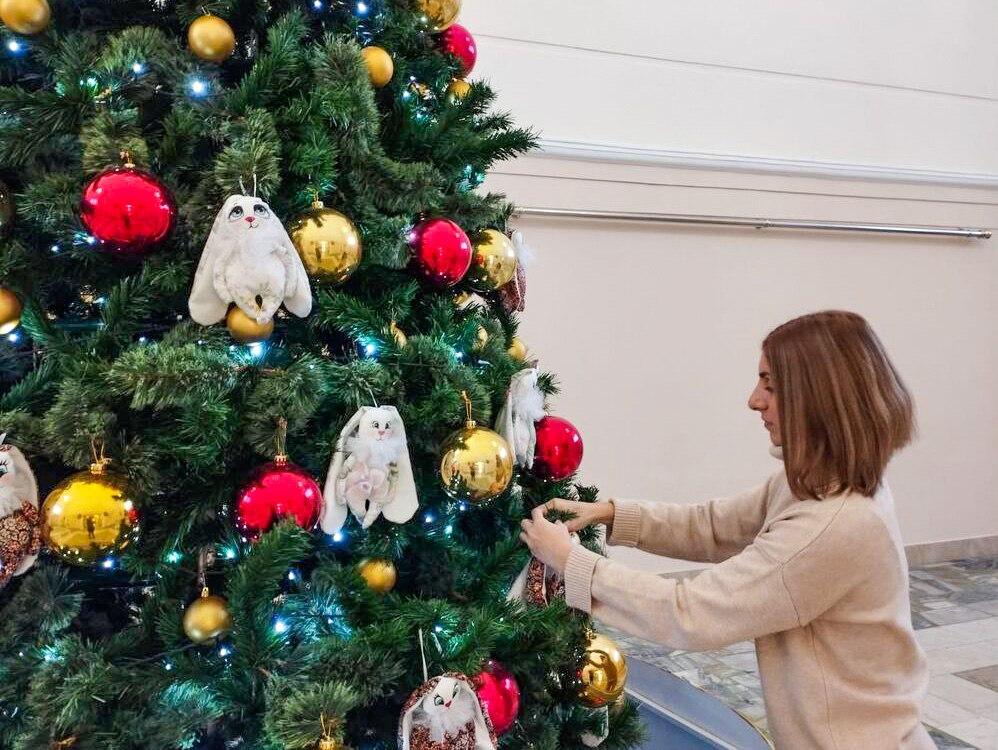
(822, 587)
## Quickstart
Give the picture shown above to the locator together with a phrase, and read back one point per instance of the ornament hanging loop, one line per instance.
(281, 442)
(100, 461)
(126, 159)
(422, 654)
(206, 557)
(467, 408)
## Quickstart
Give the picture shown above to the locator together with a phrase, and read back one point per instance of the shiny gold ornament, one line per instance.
(6, 210)
(517, 349)
(89, 516)
(25, 16)
(211, 38)
(481, 339)
(244, 329)
(207, 618)
(477, 463)
(379, 65)
(328, 243)
(603, 673)
(440, 14)
(10, 311)
(401, 340)
(458, 89)
(380, 575)
(493, 261)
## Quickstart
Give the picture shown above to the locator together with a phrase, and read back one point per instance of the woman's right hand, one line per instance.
(585, 514)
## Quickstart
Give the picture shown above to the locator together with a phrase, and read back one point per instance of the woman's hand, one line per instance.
(586, 514)
(551, 543)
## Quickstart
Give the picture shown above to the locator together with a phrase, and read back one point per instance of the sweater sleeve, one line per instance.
(709, 532)
(796, 569)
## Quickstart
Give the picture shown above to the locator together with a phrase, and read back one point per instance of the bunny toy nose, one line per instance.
(447, 704)
(250, 219)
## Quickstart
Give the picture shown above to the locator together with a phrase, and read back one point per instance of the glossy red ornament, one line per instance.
(128, 210)
(459, 42)
(500, 694)
(441, 251)
(274, 491)
(559, 449)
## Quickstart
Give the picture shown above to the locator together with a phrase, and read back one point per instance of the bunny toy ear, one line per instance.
(205, 305)
(405, 721)
(406, 502)
(485, 736)
(26, 488)
(334, 513)
(299, 303)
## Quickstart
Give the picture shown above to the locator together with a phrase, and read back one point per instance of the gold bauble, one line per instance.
(25, 16)
(379, 65)
(481, 339)
(517, 349)
(401, 340)
(380, 575)
(10, 311)
(211, 38)
(90, 515)
(603, 673)
(440, 14)
(6, 209)
(458, 89)
(327, 242)
(207, 619)
(477, 464)
(244, 329)
(493, 261)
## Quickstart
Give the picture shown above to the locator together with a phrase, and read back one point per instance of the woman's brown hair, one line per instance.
(844, 410)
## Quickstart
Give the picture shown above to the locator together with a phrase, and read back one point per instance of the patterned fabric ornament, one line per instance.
(20, 523)
(537, 585)
(445, 713)
(513, 295)
(517, 419)
(370, 472)
(248, 259)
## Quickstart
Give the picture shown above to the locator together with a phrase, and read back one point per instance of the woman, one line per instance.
(810, 564)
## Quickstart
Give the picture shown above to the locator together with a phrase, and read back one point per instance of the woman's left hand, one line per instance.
(549, 542)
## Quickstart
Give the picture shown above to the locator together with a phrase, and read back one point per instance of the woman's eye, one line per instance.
(236, 213)
(261, 210)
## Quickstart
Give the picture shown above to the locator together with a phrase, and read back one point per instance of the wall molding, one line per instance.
(638, 155)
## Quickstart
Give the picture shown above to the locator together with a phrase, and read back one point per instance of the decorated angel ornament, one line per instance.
(20, 526)
(370, 472)
(248, 259)
(518, 416)
(445, 713)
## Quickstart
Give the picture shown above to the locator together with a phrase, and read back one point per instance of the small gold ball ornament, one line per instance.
(517, 349)
(401, 340)
(90, 515)
(207, 618)
(380, 575)
(327, 242)
(25, 16)
(481, 339)
(603, 673)
(10, 311)
(440, 14)
(477, 463)
(211, 38)
(458, 89)
(244, 329)
(493, 261)
(380, 66)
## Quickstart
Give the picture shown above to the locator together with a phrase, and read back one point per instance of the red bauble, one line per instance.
(441, 251)
(559, 449)
(128, 210)
(500, 695)
(459, 42)
(274, 491)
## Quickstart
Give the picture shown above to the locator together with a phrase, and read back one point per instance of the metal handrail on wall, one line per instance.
(737, 221)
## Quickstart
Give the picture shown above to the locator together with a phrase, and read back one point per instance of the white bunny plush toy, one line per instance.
(523, 408)
(446, 713)
(248, 259)
(20, 527)
(370, 472)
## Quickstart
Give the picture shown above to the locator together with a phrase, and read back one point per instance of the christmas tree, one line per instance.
(253, 303)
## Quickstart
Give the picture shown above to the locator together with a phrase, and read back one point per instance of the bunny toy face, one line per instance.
(243, 218)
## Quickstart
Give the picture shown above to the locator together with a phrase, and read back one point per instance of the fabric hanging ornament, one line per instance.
(91, 514)
(538, 585)
(517, 419)
(370, 472)
(248, 259)
(513, 294)
(459, 42)
(445, 713)
(277, 490)
(477, 463)
(128, 210)
(20, 523)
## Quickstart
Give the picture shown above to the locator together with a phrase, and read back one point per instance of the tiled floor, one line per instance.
(955, 613)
